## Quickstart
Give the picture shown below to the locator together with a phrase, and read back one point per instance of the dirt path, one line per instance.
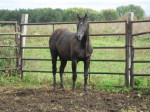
(44, 100)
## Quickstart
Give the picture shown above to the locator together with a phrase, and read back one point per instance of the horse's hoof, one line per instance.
(86, 92)
(54, 90)
(73, 91)
(63, 89)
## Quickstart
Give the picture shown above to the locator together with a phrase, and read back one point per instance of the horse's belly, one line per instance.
(64, 50)
(64, 55)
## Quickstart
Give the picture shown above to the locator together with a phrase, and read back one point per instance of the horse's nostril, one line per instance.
(79, 37)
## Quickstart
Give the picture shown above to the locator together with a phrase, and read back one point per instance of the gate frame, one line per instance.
(126, 48)
(132, 74)
(16, 31)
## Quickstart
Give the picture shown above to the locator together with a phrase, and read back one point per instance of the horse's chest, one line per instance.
(80, 54)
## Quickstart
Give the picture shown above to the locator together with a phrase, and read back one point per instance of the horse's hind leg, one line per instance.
(62, 66)
(54, 55)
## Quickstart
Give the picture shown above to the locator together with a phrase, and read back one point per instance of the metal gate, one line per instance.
(135, 49)
(6, 45)
(129, 48)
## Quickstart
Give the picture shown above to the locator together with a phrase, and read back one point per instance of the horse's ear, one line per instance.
(85, 17)
(78, 17)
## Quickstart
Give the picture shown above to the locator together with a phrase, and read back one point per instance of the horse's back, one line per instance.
(60, 41)
(54, 37)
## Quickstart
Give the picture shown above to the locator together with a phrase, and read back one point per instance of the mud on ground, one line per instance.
(44, 100)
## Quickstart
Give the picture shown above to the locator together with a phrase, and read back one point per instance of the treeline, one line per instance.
(69, 15)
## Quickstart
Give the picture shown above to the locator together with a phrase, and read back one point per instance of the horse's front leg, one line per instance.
(74, 77)
(86, 67)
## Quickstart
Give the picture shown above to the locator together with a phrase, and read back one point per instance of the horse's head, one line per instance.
(82, 27)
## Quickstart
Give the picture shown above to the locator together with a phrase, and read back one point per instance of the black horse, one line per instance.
(71, 46)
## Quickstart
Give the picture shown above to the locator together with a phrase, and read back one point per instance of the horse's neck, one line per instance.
(85, 41)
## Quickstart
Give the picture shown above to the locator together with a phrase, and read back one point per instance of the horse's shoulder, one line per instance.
(61, 30)
(58, 32)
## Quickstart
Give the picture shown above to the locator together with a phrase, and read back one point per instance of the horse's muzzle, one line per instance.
(79, 37)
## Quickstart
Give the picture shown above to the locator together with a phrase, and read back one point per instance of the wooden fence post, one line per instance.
(17, 43)
(129, 46)
(23, 29)
(127, 56)
(24, 20)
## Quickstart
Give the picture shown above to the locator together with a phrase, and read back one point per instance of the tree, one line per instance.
(58, 15)
(69, 15)
(4, 15)
(110, 14)
(138, 11)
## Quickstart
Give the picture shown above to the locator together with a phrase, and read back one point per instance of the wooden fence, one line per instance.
(129, 61)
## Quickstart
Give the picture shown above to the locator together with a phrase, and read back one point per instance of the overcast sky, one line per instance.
(64, 4)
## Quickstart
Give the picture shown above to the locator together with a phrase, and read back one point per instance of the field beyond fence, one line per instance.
(121, 52)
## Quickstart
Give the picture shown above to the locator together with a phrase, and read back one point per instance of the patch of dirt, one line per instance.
(44, 100)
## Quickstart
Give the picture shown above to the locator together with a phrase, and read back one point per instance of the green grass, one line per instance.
(103, 81)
